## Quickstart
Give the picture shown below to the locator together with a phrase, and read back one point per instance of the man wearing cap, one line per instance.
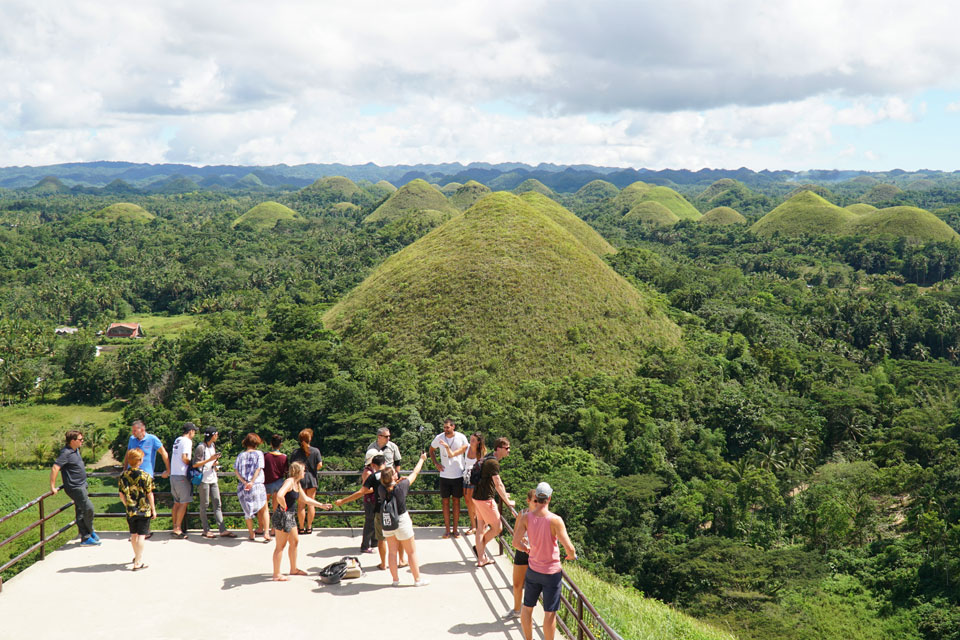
(452, 445)
(75, 486)
(488, 488)
(180, 485)
(150, 445)
(205, 458)
(543, 529)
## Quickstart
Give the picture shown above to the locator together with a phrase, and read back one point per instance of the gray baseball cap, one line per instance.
(543, 490)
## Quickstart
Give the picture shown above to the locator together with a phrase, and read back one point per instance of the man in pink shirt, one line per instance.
(542, 529)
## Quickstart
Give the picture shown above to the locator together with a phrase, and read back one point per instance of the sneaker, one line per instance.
(422, 582)
(396, 583)
(90, 542)
(95, 536)
(512, 615)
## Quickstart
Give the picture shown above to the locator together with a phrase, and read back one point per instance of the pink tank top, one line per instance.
(544, 552)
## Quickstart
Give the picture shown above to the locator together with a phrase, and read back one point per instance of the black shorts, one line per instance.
(451, 487)
(139, 525)
(520, 557)
(546, 583)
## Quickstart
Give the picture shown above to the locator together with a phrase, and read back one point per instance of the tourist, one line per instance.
(206, 459)
(180, 485)
(75, 485)
(520, 563)
(386, 447)
(312, 461)
(253, 497)
(394, 490)
(284, 520)
(150, 445)
(490, 485)
(136, 494)
(537, 533)
(274, 470)
(371, 506)
(452, 445)
(475, 453)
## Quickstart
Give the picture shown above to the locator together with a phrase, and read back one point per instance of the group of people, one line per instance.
(289, 484)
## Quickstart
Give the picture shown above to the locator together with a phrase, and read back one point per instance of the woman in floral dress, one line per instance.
(253, 496)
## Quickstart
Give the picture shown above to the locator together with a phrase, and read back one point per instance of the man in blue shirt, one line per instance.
(75, 485)
(150, 445)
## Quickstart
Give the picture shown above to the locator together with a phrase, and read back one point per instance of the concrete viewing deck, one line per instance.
(221, 588)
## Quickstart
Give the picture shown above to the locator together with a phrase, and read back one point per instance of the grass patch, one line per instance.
(806, 213)
(903, 222)
(156, 325)
(24, 427)
(566, 219)
(466, 195)
(638, 618)
(414, 197)
(265, 216)
(722, 216)
(123, 211)
(652, 213)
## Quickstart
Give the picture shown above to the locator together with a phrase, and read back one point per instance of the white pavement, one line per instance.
(221, 588)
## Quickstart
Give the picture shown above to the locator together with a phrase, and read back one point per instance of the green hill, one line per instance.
(722, 216)
(345, 207)
(50, 184)
(265, 216)
(806, 213)
(903, 222)
(505, 289)
(921, 184)
(720, 186)
(653, 213)
(449, 188)
(467, 194)
(384, 187)
(881, 193)
(532, 184)
(672, 201)
(123, 211)
(250, 181)
(860, 208)
(818, 189)
(409, 200)
(629, 196)
(569, 221)
(596, 191)
(332, 189)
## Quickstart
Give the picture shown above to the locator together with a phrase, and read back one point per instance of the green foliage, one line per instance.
(264, 216)
(466, 195)
(418, 200)
(534, 185)
(903, 222)
(806, 213)
(722, 216)
(652, 213)
(122, 211)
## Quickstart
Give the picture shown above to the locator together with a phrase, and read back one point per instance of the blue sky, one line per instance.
(846, 84)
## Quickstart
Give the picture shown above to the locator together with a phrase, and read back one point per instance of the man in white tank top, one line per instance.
(543, 529)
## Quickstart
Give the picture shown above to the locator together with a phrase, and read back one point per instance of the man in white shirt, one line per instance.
(452, 445)
(180, 485)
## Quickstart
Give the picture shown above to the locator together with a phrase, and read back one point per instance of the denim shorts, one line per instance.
(546, 583)
(273, 487)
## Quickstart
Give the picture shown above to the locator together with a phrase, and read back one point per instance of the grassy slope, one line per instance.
(123, 211)
(503, 287)
(804, 213)
(467, 194)
(638, 618)
(416, 195)
(722, 216)
(900, 222)
(650, 212)
(569, 221)
(717, 188)
(672, 201)
(22, 426)
(337, 187)
(265, 216)
(597, 191)
(449, 188)
(861, 208)
(629, 196)
(532, 184)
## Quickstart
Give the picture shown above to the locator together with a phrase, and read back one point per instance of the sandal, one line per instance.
(298, 572)
(207, 534)
(308, 531)
(228, 534)
(446, 534)
(142, 566)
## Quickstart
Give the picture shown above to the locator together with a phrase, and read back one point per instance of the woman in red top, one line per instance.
(274, 471)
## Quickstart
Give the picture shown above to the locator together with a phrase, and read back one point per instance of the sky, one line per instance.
(685, 84)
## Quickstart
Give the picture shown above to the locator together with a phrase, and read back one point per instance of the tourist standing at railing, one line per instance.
(274, 470)
(520, 564)
(490, 485)
(136, 494)
(284, 520)
(537, 533)
(452, 445)
(206, 459)
(180, 485)
(370, 480)
(74, 471)
(312, 462)
(475, 452)
(391, 460)
(151, 446)
(253, 497)
(395, 490)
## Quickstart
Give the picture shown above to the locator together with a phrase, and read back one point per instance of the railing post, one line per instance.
(579, 618)
(43, 532)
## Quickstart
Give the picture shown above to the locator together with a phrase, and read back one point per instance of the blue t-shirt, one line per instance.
(149, 445)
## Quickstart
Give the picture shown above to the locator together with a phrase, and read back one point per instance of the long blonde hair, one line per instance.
(296, 470)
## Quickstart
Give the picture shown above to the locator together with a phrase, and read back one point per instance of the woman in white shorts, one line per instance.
(392, 489)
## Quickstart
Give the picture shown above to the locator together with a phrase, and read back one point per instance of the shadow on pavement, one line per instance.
(242, 581)
(96, 568)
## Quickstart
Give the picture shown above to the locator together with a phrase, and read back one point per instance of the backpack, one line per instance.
(353, 570)
(390, 518)
(476, 472)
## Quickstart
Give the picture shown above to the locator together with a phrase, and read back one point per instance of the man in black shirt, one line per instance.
(75, 484)
(370, 485)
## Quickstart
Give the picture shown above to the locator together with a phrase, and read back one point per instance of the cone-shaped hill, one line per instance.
(652, 213)
(630, 196)
(532, 184)
(903, 222)
(597, 191)
(638, 192)
(418, 200)
(122, 212)
(806, 213)
(502, 288)
(449, 188)
(722, 216)
(332, 189)
(718, 188)
(49, 184)
(881, 193)
(265, 216)
(569, 221)
(860, 208)
(467, 194)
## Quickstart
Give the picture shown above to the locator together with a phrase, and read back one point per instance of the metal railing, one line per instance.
(575, 609)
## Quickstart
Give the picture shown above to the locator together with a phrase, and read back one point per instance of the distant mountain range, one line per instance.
(120, 177)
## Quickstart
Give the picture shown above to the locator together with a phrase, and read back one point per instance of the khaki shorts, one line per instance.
(404, 530)
(378, 526)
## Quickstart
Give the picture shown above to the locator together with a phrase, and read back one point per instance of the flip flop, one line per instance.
(298, 572)
(267, 540)
(483, 564)
(281, 579)
(228, 534)
(142, 566)
(446, 534)
(456, 534)
(207, 534)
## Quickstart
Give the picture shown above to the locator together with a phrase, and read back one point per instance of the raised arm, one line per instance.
(416, 470)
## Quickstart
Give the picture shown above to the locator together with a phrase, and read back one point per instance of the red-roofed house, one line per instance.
(124, 330)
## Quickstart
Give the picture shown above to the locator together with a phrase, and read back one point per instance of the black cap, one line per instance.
(189, 426)
(210, 431)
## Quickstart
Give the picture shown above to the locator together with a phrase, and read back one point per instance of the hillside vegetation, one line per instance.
(265, 216)
(467, 194)
(597, 191)
(653, 213)
(722, 216)
(577, 227)
(806, 213)
(903, 222)
(418, 200)
(122, 212)
(502, 288)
